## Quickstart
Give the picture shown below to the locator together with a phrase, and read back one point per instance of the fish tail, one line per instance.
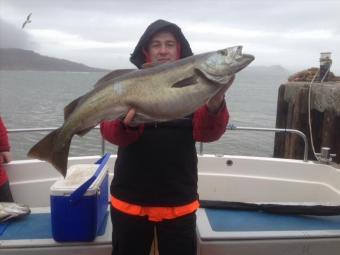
(52, 150)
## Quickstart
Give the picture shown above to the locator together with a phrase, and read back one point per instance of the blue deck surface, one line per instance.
(236, 220)
(34, 226)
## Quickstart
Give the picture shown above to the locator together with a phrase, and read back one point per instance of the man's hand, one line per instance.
(215, 102)
(5, 157)
(129, 118)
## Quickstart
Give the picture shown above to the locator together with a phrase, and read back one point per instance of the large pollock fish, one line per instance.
(160, 93)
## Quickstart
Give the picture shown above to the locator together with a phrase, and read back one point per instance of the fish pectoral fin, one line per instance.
(112, 75)
(188, 81)
(217, 79)
(70, 107)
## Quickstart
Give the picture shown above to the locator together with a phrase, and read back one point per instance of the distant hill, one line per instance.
(12, 59)
(19, 59)
(273, 70)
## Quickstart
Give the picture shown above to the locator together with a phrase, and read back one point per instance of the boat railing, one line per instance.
(30, 130)
(229, 127)
(276, 130)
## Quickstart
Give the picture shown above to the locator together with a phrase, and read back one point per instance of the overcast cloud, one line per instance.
(103, 33)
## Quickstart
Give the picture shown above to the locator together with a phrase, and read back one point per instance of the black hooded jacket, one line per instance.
(160, 168)
(138, 58)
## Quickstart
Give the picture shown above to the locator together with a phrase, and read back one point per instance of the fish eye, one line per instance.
(223, 52)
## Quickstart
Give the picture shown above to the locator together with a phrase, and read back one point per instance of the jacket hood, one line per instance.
(138, 58)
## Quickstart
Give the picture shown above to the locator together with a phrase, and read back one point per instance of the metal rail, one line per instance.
(276, 130)
(229, 127)
(29, 130)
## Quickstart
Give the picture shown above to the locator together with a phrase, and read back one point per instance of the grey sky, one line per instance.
(103, 33)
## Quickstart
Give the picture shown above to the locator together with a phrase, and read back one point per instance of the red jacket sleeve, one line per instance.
(4, 144)
(209, 127)
(119, 134)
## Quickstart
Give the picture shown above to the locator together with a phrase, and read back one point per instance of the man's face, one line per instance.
(162, 47)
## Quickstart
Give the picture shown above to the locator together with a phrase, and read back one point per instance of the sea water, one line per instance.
(32, 99)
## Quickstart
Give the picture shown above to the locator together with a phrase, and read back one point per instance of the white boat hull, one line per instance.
(227, 178)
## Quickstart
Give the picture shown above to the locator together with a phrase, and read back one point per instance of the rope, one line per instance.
(309, 109)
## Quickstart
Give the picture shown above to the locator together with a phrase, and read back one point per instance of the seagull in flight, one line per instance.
(27, 20)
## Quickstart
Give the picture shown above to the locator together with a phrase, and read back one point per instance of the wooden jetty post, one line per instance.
(292, 113)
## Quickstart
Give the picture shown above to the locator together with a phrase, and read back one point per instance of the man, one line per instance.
(5, 157)
(155, 178)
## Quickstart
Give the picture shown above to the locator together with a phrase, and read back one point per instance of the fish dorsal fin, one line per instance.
(192, 80)
(112, 75)
(70, 107)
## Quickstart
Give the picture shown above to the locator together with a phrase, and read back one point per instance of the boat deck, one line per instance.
(239, 232)
(219, 230)
(33, 234)
(217, 224)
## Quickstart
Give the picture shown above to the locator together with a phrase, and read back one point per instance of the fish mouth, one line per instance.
(248, 57)
(244, 60)
(241, 59)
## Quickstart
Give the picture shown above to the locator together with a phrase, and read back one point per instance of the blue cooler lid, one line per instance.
(82, 179)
